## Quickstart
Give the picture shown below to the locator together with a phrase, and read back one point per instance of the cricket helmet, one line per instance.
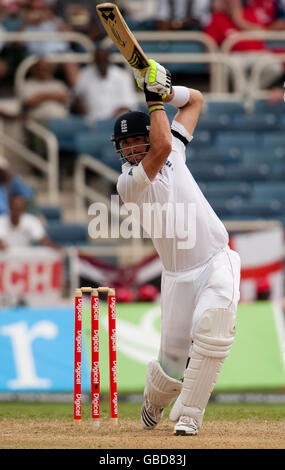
(130, 124)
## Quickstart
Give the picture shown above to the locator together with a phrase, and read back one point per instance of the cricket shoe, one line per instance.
(186, 426)
(150, 414)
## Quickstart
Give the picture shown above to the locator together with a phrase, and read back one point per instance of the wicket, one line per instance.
(95, 372)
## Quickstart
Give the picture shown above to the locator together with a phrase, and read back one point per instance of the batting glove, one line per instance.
(158, 79)
(139, 78)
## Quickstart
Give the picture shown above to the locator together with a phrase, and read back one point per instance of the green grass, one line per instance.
(64, 411)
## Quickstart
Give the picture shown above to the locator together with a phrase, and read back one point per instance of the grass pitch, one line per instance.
(226, 426)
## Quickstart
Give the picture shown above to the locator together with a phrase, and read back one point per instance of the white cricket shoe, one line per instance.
(150, 414)
(186, 426)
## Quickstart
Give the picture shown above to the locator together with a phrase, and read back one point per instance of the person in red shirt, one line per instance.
(259, 14)
(228, 19)
(231, 16)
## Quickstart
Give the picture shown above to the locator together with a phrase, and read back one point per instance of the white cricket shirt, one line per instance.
(29, 230)
(187, 233)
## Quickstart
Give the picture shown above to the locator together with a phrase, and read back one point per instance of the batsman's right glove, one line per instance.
(156, 80)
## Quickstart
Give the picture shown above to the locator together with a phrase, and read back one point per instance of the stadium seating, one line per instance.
(218, 108)
(236, 157)
(249, 172)
(225, 190)
(211, 122)
(263, 107)
(68, 234)
(253, 122)
(270, 190)
(65, 130)
(272, 139)
(98, 146)
(213, 155)
(237, 139)
(50, 213)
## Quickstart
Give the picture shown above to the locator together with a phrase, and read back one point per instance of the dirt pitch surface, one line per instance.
(128, 434)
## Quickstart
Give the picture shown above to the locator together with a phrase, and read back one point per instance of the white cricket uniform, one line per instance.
(199, 273)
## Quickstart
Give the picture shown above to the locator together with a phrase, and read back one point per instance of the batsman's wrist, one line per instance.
(155, 107)
(151, 96)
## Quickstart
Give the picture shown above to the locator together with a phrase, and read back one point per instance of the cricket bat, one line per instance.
(118, 30)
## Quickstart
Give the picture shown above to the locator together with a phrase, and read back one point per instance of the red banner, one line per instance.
(33, 276)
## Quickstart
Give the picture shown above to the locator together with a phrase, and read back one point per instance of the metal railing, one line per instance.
(260, 64)
(51, 167)
(261, 35)
(41, 36)
(258, 35)
(48, 167)
(84, 192)
(59, 58)
(176, 36)
(219, 60)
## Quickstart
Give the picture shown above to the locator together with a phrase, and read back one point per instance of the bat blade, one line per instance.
(118, 30)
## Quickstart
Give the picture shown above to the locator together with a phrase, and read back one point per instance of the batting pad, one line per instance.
(160, 389)
(212, 343)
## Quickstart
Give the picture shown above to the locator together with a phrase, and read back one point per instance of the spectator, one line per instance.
(259, 14)
(175, 15)
(43, 96)
(103, 90)
(80, 16)
(11, 53)
(201, 10)
(11, 184)
(20, 228)
(12, 15)
(140, 10)
(231, 16)
(222, 25)
(3, 62)
(41, 18)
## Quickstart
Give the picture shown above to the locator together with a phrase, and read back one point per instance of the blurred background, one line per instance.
(62, 85)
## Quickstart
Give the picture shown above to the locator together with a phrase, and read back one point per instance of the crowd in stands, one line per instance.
(217, 18)
(18, 226)
(101, 90)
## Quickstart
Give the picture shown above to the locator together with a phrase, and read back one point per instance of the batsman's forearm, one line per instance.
(159, 134)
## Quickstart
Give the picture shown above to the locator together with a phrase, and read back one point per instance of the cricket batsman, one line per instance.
(200, 279)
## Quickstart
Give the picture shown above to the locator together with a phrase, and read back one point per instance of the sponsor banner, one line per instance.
(262, 269)
(37, 348)
(30, 276)
(261, 254)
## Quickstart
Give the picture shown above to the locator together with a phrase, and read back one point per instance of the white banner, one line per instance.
(262, 270)
(30, 276)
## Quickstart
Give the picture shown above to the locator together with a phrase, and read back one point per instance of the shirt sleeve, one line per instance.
(133, 183)
(180, 138)
(3, 227)
(36, 228)
(80, 83)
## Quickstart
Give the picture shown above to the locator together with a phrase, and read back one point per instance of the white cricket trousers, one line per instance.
(185, 296)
